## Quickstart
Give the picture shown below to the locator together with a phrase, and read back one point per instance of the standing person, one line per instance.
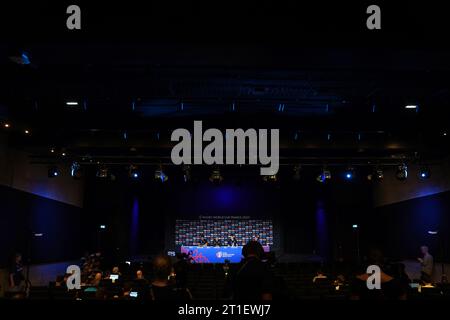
(427, 265)
(16, 275)
(253, 280)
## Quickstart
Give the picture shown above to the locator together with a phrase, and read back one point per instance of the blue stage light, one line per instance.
(160, 175)
(324, 176)
(134, 172)
(424, 173)
(53, 172)
(349, 174)
(25, 58)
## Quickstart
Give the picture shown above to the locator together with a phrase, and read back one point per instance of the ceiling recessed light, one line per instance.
(411, 106)
(52, 150)
(27, 131)
(444, 134)
(6, 125)
(63, 154)
(71, 103)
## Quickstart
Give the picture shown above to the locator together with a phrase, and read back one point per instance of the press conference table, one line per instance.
(215, 254)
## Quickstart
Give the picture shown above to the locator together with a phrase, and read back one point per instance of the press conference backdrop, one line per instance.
(189, 232)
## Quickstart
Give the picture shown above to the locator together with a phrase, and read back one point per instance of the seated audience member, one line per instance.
(253, 280)
(140, 276)
(16, 275)
(402, 277)
(116, 271)
(61, 281)
(340, 280)
(181, 269)
(97, 279)
(319, 277)
(127, 287)
(161, 287)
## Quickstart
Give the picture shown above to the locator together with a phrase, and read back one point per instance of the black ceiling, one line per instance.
(328, 100)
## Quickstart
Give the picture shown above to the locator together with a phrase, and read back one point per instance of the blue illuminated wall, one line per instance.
(227, 199)
(402, 228)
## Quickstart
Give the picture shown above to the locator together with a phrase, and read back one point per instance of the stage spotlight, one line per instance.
(102, 173)
(377, 175)
(402, 172)
(27, 131)
(133, 172)
(297, 170)
(215, 176)
(424, 173)
(349, 174)
(324, 176)
(75, 170)
(270, 178)
(187, 173)
(53, 172)
(160, 175)
(21, 58)
(7, 125)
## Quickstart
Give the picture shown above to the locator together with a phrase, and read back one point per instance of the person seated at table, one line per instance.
(202, 242)
(232, 241)
(216, 242)
(257, 238)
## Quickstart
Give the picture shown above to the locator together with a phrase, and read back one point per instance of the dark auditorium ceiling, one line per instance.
(328, 103)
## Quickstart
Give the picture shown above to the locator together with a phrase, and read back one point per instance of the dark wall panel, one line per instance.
(23, 214)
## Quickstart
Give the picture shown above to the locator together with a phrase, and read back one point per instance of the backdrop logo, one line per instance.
(237, 142)
(224, 254)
